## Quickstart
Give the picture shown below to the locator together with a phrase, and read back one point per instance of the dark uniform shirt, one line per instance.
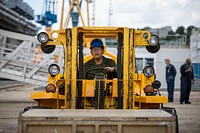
(188, 75)
(170, 72)
(105, 63)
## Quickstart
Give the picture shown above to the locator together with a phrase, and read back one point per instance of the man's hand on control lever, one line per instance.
(110, 69)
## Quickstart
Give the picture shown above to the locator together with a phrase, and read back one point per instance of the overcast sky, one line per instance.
(137, 13)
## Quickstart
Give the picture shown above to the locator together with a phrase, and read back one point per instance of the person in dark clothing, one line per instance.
(187, 77)
(170, 78)
(99, 63)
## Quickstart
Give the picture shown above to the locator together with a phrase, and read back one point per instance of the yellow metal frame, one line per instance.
(132, 82)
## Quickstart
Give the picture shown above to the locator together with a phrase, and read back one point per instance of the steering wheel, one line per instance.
(90, 73)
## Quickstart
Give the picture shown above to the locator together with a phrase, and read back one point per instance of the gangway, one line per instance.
(21, 60)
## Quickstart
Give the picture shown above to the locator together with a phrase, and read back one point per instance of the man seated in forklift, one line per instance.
(99, 64)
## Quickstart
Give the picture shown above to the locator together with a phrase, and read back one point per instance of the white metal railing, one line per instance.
(21, 58)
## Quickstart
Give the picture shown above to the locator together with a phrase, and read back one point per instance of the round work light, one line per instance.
(43, 37)
(148, 71)
(54, 69)
(50, 88)
(154, 40)
(149, 90)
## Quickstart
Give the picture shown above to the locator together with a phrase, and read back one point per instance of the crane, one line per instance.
(48, 16)
(74, 12)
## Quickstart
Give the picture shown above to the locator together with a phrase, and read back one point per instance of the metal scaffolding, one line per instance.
(21, 58)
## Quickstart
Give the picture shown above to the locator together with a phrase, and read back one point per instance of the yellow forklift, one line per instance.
(130, 103)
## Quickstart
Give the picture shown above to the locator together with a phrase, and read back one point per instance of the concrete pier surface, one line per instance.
(14, 99)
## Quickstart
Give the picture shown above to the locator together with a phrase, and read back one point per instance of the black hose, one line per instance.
(174, 113)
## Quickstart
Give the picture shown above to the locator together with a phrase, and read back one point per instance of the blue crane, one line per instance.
(48, 17)
(74, 13)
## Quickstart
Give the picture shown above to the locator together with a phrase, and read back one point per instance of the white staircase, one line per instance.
(21, 60)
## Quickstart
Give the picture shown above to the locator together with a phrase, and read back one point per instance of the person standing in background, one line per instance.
(187, 77)
(170, 79)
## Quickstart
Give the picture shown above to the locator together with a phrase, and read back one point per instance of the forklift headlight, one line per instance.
(50, 88)
(54, 69)
(149, 90)
(43, 37)
(154, 40)
(148, 71)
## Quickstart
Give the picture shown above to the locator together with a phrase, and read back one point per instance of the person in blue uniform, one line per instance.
(170, 79)
(187, 77)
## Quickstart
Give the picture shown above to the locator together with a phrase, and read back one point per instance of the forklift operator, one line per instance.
(99, 63)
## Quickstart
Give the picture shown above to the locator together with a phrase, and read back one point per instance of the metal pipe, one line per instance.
(68, 15)
(61, 18)
(88, 17)
(80, 13)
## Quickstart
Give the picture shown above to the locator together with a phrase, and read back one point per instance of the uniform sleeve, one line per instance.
(192, 76)
(174, 70)
(85, 68)
(182, 70)
(113, 64)
(166, 72)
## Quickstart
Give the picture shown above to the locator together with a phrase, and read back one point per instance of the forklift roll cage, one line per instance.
(128, 82)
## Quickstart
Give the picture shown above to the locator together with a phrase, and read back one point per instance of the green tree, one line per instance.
(180, 30)
(171, 32)
(146, 28)
(189, 31)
